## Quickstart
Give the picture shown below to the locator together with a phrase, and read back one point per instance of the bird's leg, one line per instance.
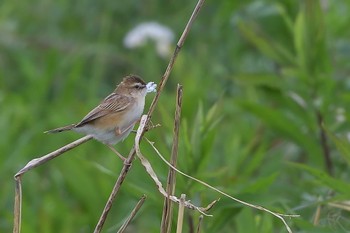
(116, 152)
(118, 131)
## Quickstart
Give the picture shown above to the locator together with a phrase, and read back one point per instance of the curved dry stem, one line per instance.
(278, 215)
(150, 171)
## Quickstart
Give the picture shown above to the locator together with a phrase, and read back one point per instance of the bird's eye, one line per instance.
(138, 86)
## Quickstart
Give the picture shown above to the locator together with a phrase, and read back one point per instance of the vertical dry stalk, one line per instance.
(199, 224)
(132, 214)
(180, 216)
(317, 215)
(324, 144)
(33, 164)
(190, 223)
(171, 181)
(18, 206)
(161, 85)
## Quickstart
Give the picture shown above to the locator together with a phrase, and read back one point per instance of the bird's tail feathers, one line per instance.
(61, 129)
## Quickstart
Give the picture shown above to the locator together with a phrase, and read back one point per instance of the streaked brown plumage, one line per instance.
(114, 118)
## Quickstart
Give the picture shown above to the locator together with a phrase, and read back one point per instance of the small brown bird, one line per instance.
(114, 118)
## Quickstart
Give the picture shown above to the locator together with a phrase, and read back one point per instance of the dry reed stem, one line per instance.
(132, 214)
(169, 68)
(160, 88)
(344, 205)
(278, 215)
(317, 215)
(38, 161)
(171, 181)
(33, 164)
(180, 215)
(18, 206)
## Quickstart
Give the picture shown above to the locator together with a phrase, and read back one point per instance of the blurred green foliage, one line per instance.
(265, 115)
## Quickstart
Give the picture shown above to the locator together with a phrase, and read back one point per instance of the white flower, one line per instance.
(151, 87)
(161, 35)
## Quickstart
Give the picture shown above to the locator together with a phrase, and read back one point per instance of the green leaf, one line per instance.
(266, 80)
(255, 160)
(299, 35)
(260, 184)
(246, 221)
(342, 145)
(283, 125)
(308, 227)
(196, 132)
(322, 177)
(266, 44)
(310, 40)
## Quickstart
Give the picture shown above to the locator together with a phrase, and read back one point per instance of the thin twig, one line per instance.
(278, 215)
(171, 181)
(132, 214)
(161, 85)
(199, 224)
(190, 224)
(116, 152)
(180, 215)
(30, 165)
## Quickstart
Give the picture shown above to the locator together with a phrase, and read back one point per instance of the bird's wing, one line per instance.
(111, 104)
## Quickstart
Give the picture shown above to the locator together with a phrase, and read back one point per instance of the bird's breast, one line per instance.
(104, 128)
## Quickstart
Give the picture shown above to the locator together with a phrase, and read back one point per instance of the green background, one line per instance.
(266, 101)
